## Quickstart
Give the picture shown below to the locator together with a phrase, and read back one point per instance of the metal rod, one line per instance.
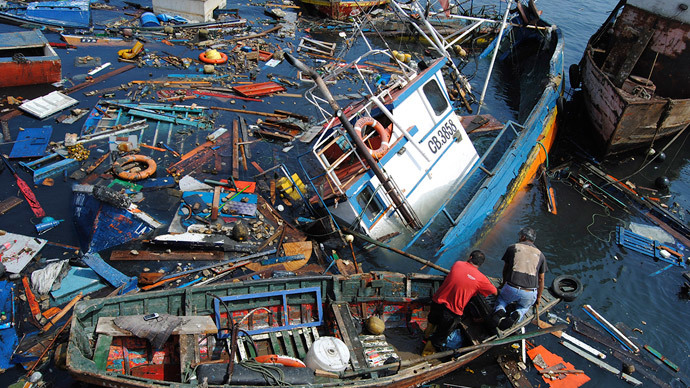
(396, 250)
(493, 59)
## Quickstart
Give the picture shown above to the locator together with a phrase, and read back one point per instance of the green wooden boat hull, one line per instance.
(402, 299)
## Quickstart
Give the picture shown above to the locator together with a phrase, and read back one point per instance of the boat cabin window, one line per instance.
(435, 96)
(369, 203)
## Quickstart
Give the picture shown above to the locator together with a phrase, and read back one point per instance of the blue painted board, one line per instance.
(110, 274)
(77, 280)
(8, 334)
(31, 142)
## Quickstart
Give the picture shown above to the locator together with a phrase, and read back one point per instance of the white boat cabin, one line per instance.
(427, 154)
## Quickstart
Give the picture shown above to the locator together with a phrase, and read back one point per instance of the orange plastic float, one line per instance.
(283, 360)
(135, 175)
(213, 57)
(383, 133)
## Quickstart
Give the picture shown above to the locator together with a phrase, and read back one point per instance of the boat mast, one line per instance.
(493, 59)
(408, 216)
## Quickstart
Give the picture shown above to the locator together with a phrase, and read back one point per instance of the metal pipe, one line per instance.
(409, 218)
(493, 59)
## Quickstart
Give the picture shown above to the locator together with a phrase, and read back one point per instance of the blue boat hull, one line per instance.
(512, 172)
(76, 14)
(101, 226)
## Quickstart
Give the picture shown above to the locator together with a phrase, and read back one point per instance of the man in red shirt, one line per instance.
(462, 283)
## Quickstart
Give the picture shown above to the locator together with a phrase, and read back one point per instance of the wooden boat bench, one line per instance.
(191, 327)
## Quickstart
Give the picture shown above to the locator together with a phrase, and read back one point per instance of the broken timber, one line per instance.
(199, 156)
(98, 79)
(176, 255)
(250, 112)
(9, 203)
(316, 46)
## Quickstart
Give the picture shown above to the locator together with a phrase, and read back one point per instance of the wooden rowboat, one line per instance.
(282, 316)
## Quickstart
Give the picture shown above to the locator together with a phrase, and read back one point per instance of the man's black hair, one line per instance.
(477, 258)
(528, 234)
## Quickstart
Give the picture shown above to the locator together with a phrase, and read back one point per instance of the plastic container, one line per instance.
(148, 19)
(329, 354)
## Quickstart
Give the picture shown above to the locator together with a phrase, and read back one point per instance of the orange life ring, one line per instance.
(223, 58)
(119, 167)
(283, 360)
(383, 133)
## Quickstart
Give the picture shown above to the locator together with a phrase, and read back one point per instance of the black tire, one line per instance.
(566, 287)
(574, 76)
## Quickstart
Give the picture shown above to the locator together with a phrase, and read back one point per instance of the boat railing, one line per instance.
(322, 105)
(486, 164)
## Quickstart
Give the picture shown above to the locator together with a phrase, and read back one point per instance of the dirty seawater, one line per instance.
(617, 288)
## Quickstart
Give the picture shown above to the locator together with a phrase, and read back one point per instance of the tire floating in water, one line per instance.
(566, 287)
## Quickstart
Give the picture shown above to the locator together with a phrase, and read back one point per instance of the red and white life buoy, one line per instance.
(384, 134)
(279, 359)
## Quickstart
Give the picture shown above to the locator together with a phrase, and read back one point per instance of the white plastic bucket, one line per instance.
(329, 354)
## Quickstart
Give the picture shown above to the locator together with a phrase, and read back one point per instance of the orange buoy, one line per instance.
(383, 133)
(283, 360)
(121, 172)
(213, 56)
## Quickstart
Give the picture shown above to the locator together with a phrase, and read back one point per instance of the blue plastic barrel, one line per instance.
(148, 19)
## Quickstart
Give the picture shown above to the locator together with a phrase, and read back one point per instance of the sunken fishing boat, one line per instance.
(401, 163)
(26, 58)
(305, 331)
(634, 87)
(343, 9)
(71, 14)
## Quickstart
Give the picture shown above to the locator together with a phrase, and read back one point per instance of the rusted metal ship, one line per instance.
(636, 90)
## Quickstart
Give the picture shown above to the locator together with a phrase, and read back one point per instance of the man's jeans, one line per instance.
(509, 294)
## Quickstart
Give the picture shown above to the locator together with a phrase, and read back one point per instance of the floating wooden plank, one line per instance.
(259, 89)
(513, 372)
(110, 274)
(480, 123)
(189, 325)
(274, 135)
(640, 369)
(626, 377)
(215, 203)
(250, 112)
(8, 204)
(661, 357)
(199, 156)
(99, 79)
(235, 149)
